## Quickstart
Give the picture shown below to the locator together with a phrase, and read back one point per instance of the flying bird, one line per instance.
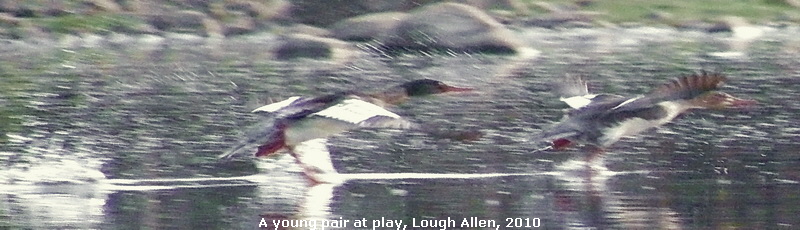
(600, 120)
(303, 124)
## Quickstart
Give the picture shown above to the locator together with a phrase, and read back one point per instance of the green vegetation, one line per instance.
(688, 10)
(99, 23)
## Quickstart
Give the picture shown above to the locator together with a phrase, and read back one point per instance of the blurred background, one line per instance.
(112, 112)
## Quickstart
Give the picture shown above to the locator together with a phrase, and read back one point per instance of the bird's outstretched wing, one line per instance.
(257, 135)
(571, 86)
(682, 88)
(297, 107)
(364, 114)
(277, 106)
(574, 91)
(688, 87)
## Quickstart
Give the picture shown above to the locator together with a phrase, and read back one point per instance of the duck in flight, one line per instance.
(600, 120)
(303, 124)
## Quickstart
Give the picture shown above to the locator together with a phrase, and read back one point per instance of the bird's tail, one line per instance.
(263, 138)
(233, 151)
(557, 137)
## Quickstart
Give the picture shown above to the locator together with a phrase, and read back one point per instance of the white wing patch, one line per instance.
(577, 102)
(271, 108)
(355, 111)
(627, 102)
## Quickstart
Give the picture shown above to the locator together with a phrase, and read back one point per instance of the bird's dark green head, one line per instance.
(425, 87)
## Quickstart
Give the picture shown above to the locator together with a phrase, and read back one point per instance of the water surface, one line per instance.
(124, 133)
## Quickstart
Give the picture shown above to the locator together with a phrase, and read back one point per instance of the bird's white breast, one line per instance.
(633, 126)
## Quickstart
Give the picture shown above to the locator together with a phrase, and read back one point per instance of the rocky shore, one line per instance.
(314, 28)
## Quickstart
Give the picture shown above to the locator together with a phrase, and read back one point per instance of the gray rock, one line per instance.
(565, 19)
(8, 19)
(9, 6)
(181, 21)
(308, 46)
(308, 30)
(240, 24)
(18, 9)
(194, 4)
(213, 28)
(486, 5)
(56, 9)
(105, 5)
(718, 27)
(302, 46)
(326, 12)
(701, 26)
(146, 7)
(367, 27)
(556, 7)
(728, 24)
(269, 9)
(451, 26)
